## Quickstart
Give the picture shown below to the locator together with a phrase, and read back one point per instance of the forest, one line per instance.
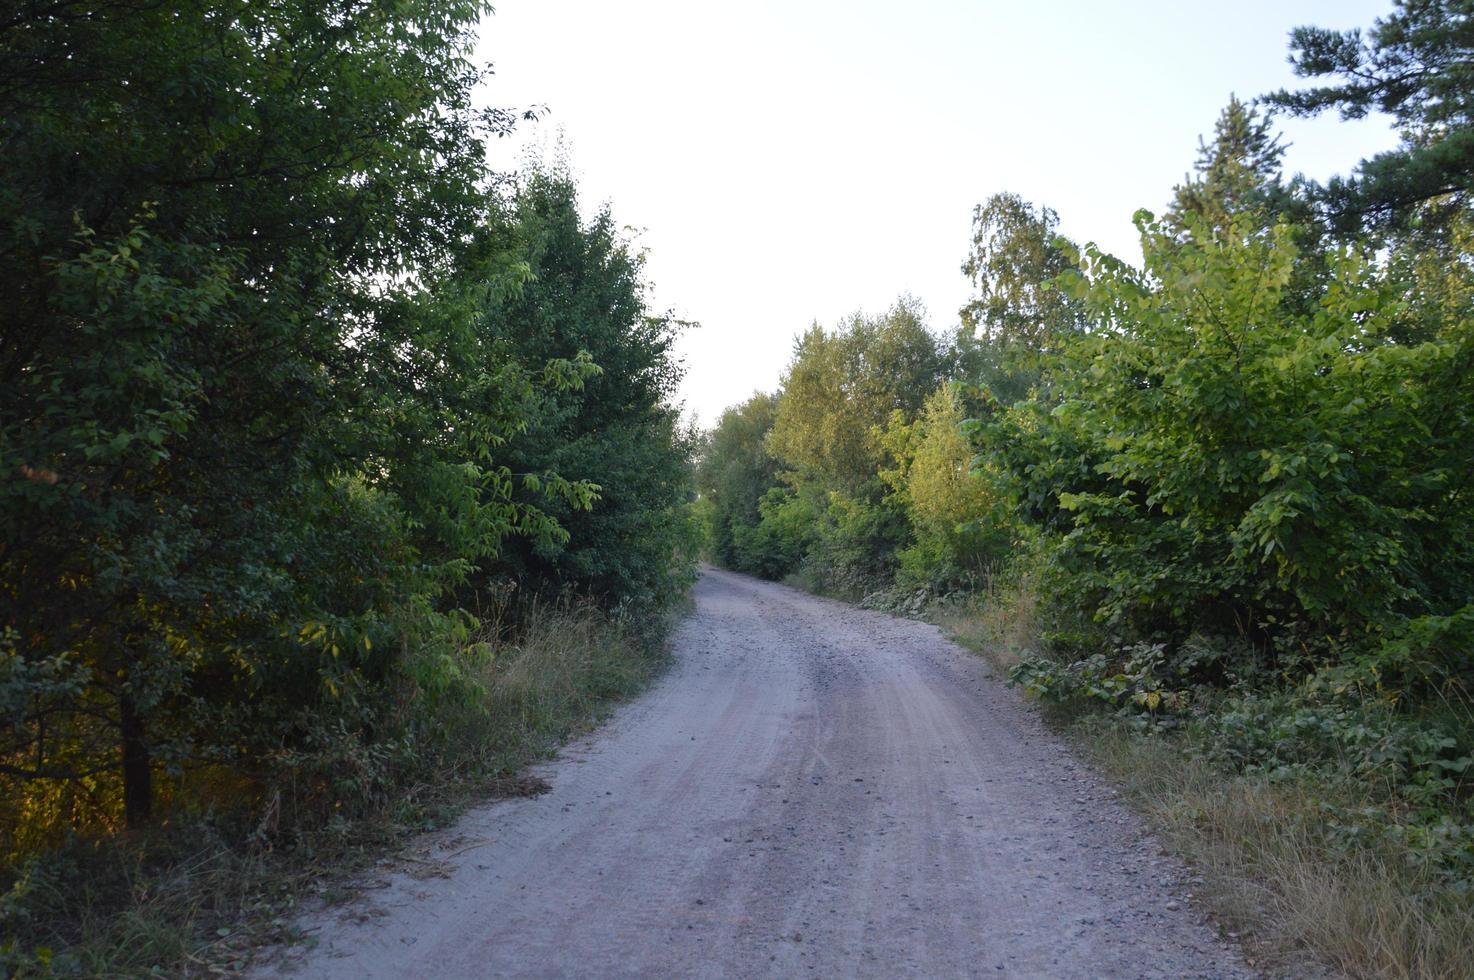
(337, 464)
(345, 475)
(1215, 507)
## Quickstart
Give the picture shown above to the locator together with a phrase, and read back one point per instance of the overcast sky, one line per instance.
(792, 162)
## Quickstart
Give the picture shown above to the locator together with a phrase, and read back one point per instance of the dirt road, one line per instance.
(812, 790)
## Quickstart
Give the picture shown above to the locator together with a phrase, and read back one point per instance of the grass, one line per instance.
(1272, 874)
(188, 898)
(999, 621)
(1299, 899)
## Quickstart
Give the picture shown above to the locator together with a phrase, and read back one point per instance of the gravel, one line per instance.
(813, 789)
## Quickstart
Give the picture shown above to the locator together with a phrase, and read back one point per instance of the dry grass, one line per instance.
(1273, 875)
(189, 899)
(570, 667)
(1302, 902)
(1000, 622)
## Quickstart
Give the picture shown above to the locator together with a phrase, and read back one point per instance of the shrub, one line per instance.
(1224, 461)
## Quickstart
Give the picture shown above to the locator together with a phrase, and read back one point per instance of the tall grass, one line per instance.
(1000, 620)
(202, 890)
(1301, 897)
(1273, 872)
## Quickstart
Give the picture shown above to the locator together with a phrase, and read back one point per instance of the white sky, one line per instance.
(792, 162)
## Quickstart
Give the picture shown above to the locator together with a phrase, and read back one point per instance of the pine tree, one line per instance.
(1238, 172)
(1416, 65)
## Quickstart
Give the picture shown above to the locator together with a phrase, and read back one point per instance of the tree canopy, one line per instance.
(1416, 65)
(843, 384)
(289, 381)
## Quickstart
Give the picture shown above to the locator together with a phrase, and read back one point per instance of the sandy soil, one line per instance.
(812, 790)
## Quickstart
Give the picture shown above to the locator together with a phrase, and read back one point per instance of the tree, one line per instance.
(839, 395)
(1294, 477)
(248, 425)
(1417, 65)
(957, 514)
(735, 473)
(842, 386)
(1016, 316)
(1237, 182)
(586, 296)
(1239, 172)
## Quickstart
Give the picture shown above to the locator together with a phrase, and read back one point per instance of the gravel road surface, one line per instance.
(812, 790)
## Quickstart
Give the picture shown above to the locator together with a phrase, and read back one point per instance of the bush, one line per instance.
(959, 515)
(1415, 765)
(855, 544)
(1224, 462)
(778, 542)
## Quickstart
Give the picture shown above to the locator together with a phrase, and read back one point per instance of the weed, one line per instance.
(1276, 871)
(1326, 829)
(202, 891)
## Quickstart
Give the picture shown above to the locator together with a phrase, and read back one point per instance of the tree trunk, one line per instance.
(138, 777)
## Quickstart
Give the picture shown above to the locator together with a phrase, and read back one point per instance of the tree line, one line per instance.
(1236, 479)
(299, 399)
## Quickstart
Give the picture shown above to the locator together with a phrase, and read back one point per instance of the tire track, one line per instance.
(812, 790)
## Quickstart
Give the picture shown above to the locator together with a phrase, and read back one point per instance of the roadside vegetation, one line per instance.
(342, 474)
(1213, 511)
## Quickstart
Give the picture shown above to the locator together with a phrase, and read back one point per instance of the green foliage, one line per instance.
(1238, 174)
(841, 388)
(289, 387)
(224, 225)
(1425, 759)
(756, 524)
(1414, 65)
(961, 525)
(1253, 469)
(826, 517)
(1016, 317)
(1410, 765)
(856, 543)
(1251, 476)
(618, 429)
(841, 391)
(734, 475)
(1138, 682)
(782, 537)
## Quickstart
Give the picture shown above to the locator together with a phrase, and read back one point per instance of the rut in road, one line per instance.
(812, 789)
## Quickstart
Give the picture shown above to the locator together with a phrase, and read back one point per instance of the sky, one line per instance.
(786, 163)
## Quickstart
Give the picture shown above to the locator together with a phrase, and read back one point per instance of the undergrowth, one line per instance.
(1000, 621)
(198, 892)
(1283, 864)
(1329, 823)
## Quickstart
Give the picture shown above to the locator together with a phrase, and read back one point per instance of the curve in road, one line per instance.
(813, 789)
